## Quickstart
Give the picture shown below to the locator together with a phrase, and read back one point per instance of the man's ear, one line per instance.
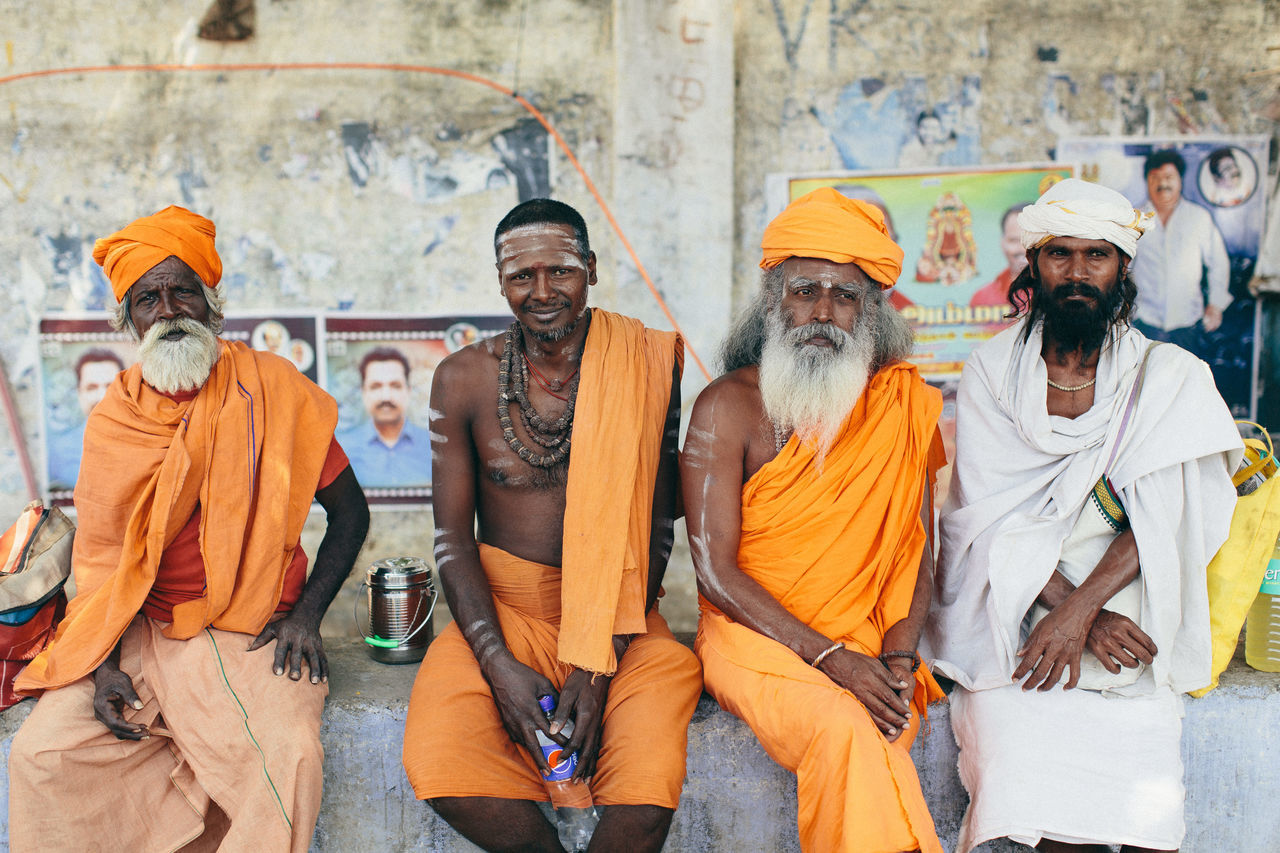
(591, 268)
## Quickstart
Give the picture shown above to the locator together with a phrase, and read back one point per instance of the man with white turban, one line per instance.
(1083, 511)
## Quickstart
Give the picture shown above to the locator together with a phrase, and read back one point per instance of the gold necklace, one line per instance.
(1053, 384)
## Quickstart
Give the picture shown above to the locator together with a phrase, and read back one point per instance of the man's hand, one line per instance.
(1117, 641)
(112, 690)
(297, 637)
(1055, 646)
(883, 693)
(1212, 318)
(516, 689)
(582, 699)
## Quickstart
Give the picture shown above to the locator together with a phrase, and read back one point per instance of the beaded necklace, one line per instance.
(513, 384)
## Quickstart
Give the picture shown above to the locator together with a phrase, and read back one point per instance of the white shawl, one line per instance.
(1021, 479)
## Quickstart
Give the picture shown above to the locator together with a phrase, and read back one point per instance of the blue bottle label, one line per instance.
(1271, 581)
(562, 763)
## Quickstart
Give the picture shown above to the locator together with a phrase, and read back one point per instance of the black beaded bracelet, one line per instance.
(915, 658)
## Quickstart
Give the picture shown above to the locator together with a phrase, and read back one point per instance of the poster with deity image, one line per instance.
(959, 232)
(379, 368)
(1194, 263)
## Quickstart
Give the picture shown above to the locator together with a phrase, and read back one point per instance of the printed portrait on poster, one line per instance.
(1195, 260)
(80, 356)
(380, 368)
(291, 335)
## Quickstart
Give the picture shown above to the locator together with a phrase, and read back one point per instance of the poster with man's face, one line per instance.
(291, 335)
(80, 357)
(379, 368)
(1193, 264)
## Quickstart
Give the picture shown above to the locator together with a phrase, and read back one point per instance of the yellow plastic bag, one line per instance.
(1235, 573)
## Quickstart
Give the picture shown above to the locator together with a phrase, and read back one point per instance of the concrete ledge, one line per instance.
(735, 798)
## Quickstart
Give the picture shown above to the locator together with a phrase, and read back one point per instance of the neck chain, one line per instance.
(780, 437)
(1079, 387)
(551, 386)
(513, 384)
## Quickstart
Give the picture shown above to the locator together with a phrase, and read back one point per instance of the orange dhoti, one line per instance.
(839, 545)
(456, 746)
(234, 757)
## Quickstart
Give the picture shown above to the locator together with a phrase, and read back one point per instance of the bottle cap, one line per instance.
(547, 703)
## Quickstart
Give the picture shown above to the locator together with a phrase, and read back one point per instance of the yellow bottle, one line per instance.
(1262, 631)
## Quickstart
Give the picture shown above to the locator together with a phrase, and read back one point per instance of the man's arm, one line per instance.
(711, 471)
(904, 635)
(1218, 271)
(297, 635)
(1077, 621)
(515, 686)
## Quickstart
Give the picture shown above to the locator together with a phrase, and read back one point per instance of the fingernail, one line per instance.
(556, 727)
(137, 705)
(278, 671)
(893, 731)
(315, 680)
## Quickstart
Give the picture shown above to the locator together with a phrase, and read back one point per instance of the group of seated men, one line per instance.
(807, 479)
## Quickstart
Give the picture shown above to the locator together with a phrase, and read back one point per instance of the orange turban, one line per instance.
(826, 224)
(129, 253)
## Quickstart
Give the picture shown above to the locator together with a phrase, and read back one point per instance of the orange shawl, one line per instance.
(839, 545)
(249, 448)
(617, 438)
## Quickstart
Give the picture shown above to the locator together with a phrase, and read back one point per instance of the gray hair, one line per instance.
(744, 343)
(121, 321)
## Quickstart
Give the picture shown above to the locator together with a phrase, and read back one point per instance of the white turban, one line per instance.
(1076, 208)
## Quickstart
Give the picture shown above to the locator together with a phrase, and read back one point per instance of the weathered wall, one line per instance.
(379, 189)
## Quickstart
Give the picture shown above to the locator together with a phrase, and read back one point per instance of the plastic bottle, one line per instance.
(1262, 631)
(576, 816)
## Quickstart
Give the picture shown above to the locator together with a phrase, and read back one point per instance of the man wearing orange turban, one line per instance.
(808, 477)
(158, 724)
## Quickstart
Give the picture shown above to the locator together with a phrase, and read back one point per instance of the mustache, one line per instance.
(160, 328)
(1076, 288)
(798, 335)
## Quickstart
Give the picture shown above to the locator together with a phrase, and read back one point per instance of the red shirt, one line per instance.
(180, 576)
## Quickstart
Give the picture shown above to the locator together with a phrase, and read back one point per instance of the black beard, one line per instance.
(1076, 326)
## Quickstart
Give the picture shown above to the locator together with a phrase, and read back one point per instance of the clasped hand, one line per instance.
(516, 689)
(1058, 641)
(884, 691)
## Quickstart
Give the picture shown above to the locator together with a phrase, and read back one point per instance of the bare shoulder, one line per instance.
(462, 370)
(736, 393)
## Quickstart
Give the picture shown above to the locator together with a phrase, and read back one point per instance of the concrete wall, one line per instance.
(372, 188)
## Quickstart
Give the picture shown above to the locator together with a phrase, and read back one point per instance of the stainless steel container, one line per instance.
(400, 600)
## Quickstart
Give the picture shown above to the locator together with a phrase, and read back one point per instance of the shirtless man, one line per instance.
(586, 534)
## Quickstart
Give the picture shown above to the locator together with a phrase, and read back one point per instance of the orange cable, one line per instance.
(395, 66)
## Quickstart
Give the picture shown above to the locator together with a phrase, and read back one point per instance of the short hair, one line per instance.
(95, 355)
(121, 321)
(1164, 157)
(1017, 208)
(545, 211)
(1216, 158)
(383, 354)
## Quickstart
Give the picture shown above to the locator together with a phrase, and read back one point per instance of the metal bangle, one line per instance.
(820, 658)
(915, 658)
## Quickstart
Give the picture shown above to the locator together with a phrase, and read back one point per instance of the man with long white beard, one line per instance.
(807, 476)
(1092, 485)
(159, 726)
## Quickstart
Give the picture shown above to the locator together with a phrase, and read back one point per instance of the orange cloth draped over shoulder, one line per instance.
(825, 224)
(148, 461)
(617, 440)
(839, 546)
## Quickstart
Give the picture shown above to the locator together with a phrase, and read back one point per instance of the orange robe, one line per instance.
(148, 460)
(455, 744)
(839, 546)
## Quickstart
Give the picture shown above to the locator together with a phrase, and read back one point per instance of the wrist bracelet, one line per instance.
(915, 658)
(820, 658)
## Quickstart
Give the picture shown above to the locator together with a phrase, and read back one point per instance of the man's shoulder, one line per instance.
(738, 389)
(472, 361)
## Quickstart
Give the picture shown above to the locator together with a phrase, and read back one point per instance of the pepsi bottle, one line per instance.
(575, 814)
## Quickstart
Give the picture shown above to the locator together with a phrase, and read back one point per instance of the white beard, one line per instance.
(181, 365)
(811, 389)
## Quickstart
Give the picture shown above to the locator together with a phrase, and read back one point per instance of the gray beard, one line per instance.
(182, 365)
(811, 390)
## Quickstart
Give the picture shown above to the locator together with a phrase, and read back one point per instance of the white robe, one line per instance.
(1020, 481)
